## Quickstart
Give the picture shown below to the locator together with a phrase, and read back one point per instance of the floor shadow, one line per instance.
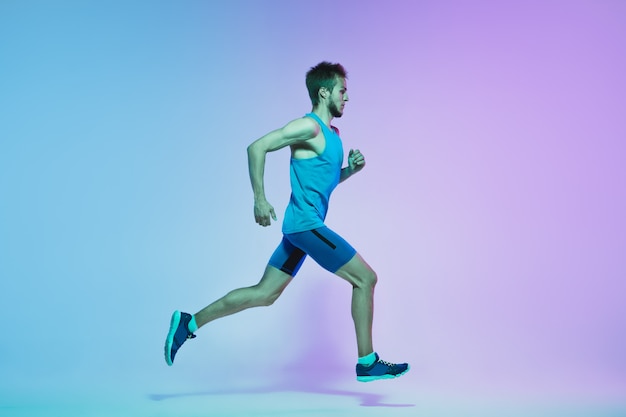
(366, 399)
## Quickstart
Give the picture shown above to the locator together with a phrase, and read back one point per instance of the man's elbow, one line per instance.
(253, 148)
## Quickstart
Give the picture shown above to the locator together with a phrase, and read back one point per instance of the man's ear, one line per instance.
(323, 92)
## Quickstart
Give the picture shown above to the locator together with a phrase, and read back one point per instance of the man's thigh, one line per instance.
(326, 247)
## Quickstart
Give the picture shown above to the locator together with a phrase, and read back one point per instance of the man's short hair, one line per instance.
(323, 75)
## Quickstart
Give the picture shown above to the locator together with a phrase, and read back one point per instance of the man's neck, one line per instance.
(324, 114)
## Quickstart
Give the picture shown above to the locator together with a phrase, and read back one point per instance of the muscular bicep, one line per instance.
(293, 133)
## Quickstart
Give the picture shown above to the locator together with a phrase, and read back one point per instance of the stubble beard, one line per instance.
(334, 110)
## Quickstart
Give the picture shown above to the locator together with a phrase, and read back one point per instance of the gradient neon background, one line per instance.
(492, 206)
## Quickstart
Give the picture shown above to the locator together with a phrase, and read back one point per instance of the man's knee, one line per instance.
(269, 298)
(358, 273)
(370, 279)
(265, 297)
(365, 279)
(271, 286)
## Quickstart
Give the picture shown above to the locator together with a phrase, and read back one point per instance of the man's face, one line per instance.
(338, 98)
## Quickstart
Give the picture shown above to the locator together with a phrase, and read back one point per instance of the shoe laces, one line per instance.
(389, 364)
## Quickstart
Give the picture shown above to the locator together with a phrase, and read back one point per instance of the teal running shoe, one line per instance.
(178, 334)
(380, 370)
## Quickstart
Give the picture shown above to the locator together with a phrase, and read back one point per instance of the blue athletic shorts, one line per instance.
(326, 247)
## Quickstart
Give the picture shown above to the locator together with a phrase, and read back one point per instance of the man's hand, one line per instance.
(262, 212)
(356, 160)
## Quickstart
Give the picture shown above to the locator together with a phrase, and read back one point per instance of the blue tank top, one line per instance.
(312, 182)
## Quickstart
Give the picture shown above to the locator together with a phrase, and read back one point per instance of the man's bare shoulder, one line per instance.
(304, 128)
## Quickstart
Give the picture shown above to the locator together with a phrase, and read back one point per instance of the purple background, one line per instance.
(492, 205)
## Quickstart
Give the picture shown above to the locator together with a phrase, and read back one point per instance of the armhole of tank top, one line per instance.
(325, 139)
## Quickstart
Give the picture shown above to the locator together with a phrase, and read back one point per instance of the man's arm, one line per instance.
(294, 133)
(356, 162)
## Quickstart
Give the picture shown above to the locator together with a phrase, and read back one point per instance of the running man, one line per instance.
(316, 169)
